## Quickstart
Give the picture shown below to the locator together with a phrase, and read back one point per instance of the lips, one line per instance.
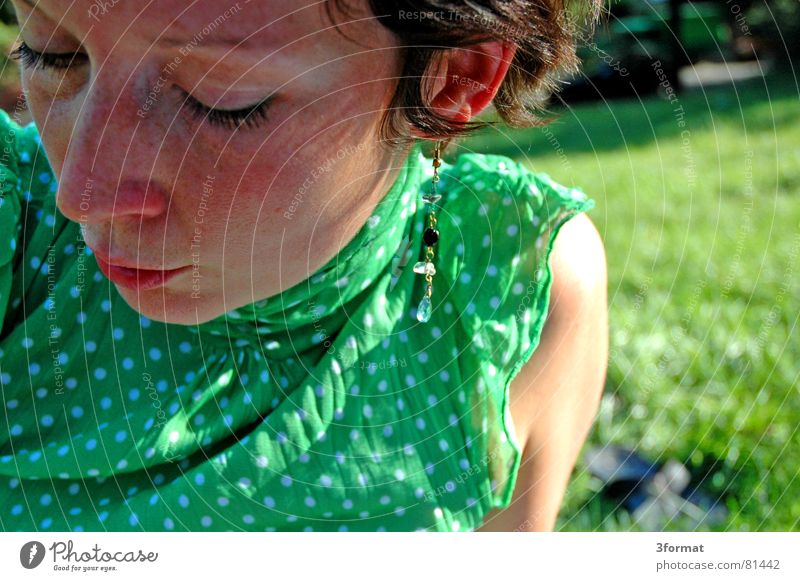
(136, 278)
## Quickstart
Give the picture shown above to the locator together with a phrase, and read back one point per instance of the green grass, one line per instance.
(704, 280)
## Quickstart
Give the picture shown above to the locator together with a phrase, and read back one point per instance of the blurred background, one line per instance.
(684, 126)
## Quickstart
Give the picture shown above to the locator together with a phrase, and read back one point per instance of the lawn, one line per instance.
(697, 202)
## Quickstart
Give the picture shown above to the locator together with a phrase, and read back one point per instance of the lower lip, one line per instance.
(137, 279)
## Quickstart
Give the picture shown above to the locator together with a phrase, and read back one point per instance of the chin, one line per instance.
(168, 306)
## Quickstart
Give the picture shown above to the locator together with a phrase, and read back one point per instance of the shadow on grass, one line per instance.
(753, 105)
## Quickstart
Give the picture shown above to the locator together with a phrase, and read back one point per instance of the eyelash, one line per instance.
(43, 60)
(251, 117)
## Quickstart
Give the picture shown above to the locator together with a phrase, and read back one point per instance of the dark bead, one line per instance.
(431, 236)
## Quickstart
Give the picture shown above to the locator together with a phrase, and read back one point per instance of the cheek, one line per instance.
(263, 190)
(57, 116)
(279, 206)
(231, 213)
(264, 180)
(55, 139)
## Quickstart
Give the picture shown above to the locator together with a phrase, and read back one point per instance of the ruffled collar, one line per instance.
(310, 313)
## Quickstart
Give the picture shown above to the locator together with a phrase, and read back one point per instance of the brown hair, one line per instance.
(543, 31)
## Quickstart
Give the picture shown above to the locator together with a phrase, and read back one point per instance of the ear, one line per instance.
(467, 79)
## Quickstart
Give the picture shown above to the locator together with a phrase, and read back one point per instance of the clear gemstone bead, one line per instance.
(431, 198)
(424, 309)
(425, 268)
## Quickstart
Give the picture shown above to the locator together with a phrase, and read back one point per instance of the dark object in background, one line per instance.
(619, 61)
(7, 14)
(654, 493)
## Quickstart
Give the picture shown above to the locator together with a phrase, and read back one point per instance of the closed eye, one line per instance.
(249, 117)
(46, 60)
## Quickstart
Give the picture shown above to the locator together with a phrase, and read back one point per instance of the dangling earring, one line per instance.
(430, 237)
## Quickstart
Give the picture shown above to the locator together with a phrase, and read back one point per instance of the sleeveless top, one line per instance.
(328, 407)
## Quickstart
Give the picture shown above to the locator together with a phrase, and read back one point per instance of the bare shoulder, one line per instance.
(555, 396)
(573, 348)
(578, 262)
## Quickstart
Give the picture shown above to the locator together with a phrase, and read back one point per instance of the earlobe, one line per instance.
(457, 112)
(473, 77)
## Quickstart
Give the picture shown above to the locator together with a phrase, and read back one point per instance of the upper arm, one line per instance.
(571, 360)
(555, 395)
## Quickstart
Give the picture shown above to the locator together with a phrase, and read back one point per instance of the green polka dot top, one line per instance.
(329, 407)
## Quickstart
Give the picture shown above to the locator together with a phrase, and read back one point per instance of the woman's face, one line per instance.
(157, 184)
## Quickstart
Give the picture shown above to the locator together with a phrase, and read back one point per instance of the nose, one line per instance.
(108, 169)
